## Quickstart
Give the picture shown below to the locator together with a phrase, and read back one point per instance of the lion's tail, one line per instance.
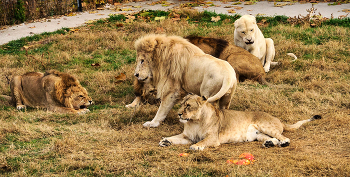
(295, 126)
(8, 98)
(226, 85)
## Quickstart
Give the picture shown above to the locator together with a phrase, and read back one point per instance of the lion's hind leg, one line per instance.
(272, 135)
(16, 88)
(177, 139)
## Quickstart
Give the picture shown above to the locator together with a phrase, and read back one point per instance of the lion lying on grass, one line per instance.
(246, 66)
(56, 91)
(248, 36)
(208, 126)
(174, 66)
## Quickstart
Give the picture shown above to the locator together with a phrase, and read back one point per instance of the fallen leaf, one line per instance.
(231, 11)
(237, 7)
(346, 10)
(227, 6)
(32, 27)
(137, 6)
(159, 18)
(215, 19)
(120, 78)
(95, 65)
(119, 25)
(160, 30)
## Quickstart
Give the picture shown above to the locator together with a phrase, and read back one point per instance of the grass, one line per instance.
(111, 141)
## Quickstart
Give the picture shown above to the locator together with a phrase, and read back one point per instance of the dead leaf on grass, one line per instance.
(215, 19)
(120, 78)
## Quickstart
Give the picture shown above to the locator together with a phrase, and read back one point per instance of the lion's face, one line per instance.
(245, 28)
(190, 108)
(143, 70)
(77, 98)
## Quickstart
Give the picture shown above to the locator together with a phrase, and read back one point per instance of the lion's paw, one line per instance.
(268, 144)
(196, 148)
(284, 143)
(151, 124)
(271, 142)
(20, 107)
(83, 111)
(164, 142)
(267, 68)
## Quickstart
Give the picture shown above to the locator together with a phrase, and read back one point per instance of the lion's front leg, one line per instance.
(165, 106)
(270, 54)
(210, 141)
(68, 110)
(177, 139)
(16, 87)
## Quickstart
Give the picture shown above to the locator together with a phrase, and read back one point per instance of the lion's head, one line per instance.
(245, 28)
(190, 109)
(69, 92)
(143, 70)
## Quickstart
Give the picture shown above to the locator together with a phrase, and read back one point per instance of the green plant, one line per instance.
(19, 12)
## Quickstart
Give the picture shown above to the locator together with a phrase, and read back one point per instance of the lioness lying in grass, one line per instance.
(206, 126)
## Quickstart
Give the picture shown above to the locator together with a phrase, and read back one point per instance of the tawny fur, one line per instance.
(175, 66)
(208, 126)
(55, 91)
(246, 65)
(248, 36)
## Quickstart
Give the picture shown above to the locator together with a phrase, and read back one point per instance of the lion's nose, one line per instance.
(136, 74)
(90, 102)
(180, 114)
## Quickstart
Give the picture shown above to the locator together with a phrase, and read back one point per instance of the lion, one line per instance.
(248, 36)
(207, 126)
(246, 66)
(175, 66)
(56, 91)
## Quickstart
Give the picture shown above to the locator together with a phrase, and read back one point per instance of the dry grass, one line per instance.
(110, 140)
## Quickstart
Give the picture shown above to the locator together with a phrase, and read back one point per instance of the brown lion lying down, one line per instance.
(245, 64)
(208, 126)
(56, 91)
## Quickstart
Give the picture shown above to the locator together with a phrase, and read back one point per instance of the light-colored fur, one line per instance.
(56, 91)
(208, 126)
(175, 66)
(248, 36)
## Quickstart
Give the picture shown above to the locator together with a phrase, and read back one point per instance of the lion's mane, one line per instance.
(170, 54)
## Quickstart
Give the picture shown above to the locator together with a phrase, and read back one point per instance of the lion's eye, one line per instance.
(243, 32)
(251, 30)
(81, 96)
(187, 106)
(142, 61)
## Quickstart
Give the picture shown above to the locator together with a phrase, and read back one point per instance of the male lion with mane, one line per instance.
(175, 66)
(208, 126)
(246, 66)
(56, 91)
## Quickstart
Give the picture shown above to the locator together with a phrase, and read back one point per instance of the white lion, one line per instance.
(175, 66)
(248, 36)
